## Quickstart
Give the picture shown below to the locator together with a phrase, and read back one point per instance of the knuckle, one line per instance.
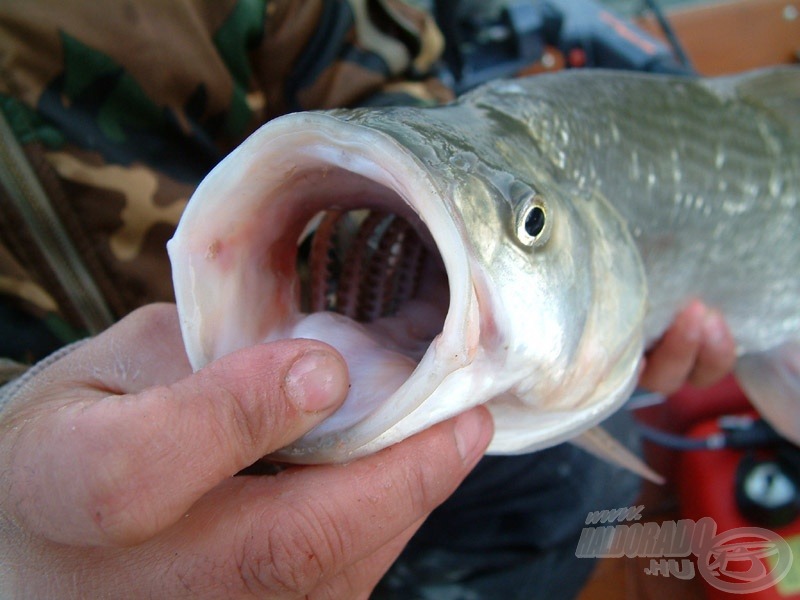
(253, 573)
(247, 414)
(239, 419)
(200, 575)
(420, 484)
(113, 476)
(298, 551)
(113, 508)
(359, 579)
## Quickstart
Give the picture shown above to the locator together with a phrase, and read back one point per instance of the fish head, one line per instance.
(527, 298)
(562, 296)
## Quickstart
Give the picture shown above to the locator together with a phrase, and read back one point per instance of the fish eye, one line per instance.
(532, 222)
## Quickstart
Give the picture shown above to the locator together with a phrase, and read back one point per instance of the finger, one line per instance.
(178, 567)
(281, 536)
(359, 579)
(125, 467)
(717, 354)
(669, 363)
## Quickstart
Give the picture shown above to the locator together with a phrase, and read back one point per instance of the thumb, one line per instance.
(127, 466)
(268, 395)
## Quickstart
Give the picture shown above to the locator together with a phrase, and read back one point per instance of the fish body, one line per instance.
(567, 218)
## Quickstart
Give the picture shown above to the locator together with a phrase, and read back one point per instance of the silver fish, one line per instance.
(553, 226)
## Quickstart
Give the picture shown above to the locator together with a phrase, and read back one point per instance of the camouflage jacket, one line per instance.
(110, 116)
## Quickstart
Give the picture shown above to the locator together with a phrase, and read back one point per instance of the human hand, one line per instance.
(698, 348)
(117, 464)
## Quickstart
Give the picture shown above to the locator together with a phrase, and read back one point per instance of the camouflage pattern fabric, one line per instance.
(121, 110)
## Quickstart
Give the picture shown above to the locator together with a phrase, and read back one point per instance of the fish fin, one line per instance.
(771, 380)
(599, 442)
(777, 90)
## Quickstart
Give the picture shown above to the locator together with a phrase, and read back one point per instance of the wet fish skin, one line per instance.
(706, 176)
(655, 190)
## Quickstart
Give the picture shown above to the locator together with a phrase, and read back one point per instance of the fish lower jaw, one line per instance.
(584, 398)
(436, 391)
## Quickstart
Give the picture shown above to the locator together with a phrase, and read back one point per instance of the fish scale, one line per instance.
(757, 152)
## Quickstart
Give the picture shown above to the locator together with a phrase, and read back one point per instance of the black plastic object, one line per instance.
(768, 488)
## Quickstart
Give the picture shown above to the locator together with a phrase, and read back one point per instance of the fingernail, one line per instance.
(694, 324)
(315, 383)
(471, 434)
(715, 329)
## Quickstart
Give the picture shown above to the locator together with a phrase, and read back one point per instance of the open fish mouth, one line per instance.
(385, 248)
(345, 239)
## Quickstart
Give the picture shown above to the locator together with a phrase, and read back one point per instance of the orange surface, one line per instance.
(728, 37)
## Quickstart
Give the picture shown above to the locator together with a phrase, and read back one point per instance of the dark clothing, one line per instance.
(511, 529)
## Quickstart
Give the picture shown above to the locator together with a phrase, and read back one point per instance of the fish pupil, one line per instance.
(534, 221)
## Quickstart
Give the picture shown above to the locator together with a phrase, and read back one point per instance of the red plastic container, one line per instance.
(706, 483)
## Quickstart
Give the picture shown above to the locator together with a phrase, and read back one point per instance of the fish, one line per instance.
(519, 248)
